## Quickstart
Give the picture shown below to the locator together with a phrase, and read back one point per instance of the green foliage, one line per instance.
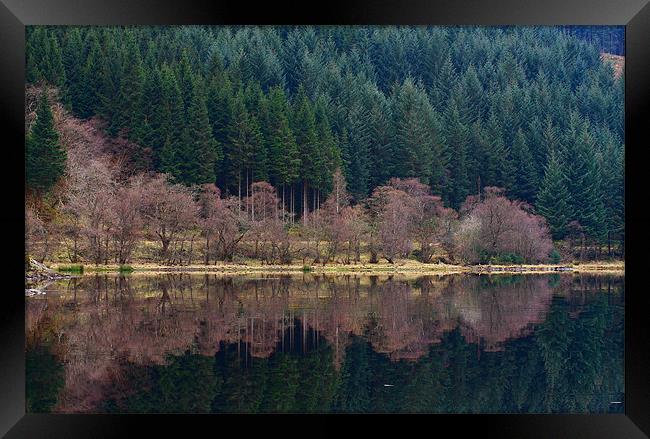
(555, 257)
(45, 157)
(75, 268)
(44, 379)
(553, 197)
(458, 108)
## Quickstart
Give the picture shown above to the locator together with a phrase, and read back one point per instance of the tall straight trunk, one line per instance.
(239, 192)
(247, 196)
(283, 202)
(304, 201)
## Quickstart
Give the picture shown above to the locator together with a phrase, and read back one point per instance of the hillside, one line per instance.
(283, 119)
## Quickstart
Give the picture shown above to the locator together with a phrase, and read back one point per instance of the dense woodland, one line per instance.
(394, 141)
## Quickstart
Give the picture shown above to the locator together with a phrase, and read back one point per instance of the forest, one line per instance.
(324, 144)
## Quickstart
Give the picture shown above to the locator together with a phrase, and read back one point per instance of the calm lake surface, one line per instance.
(316, 343)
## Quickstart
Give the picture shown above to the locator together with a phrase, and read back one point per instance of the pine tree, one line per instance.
(199, 151)
(304, 123)
(45, 157)
(174, 122)
(382, 154)
(553, 196)
(355, 145)
(525, 181)
(55, 73)
(456, 141)
(88, 101)
(329, 147)
(156, 114)
(130, 94)
(414, 139)
(72, 62)
(585, 185)
(110, 74)
(244, 139)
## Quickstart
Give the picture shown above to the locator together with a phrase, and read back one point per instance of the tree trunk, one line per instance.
(304, 201)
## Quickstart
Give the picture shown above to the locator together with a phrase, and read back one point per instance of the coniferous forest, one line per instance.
(443, 125)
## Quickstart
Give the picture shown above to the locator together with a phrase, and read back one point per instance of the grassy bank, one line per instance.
(404, 266)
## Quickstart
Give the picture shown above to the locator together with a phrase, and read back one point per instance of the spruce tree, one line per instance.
(356, 148)
(307, 139)
(72, 62)
(584, 183)
(525, 181)
(199, 151)
(45, 157)
(55, 73)
(131, 85)
(553, 196)
(110, 75)
(456, 141)
(328, 145)
(414, 140)
(88, 101)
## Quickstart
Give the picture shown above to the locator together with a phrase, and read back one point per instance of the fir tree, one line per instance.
(553, 197)
(584, 183)
(199, 151)
(45, 157)
(525, 181)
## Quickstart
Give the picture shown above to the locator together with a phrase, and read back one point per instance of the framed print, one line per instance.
(425, 209)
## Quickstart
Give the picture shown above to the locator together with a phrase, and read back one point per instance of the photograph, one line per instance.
(325, 219)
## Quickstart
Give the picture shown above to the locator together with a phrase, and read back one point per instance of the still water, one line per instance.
(314, 343)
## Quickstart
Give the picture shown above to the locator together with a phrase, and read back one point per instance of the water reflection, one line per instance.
(197, 343)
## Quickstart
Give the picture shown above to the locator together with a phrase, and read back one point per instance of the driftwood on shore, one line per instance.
(37, 272)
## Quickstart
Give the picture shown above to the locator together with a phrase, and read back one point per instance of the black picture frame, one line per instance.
(634, 14)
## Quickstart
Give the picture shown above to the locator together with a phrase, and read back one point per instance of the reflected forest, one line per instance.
(313, 343)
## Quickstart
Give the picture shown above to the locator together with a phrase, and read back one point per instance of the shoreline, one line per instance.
(404, 267)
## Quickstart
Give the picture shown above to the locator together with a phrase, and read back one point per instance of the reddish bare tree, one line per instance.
(264, 207)
(393, 220)
(91, 187)
(426, 225)
(168, 211)
(127, 218)
(40, 236)
(496, 226)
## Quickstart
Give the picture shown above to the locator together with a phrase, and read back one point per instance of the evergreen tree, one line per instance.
(45, 157)
(130, 92)
(199, 151)
(525, 181)
(72, 62)
(156, 113)
(585, 185)
(553, 196)
(414, 140)
(110, 75)
(456, 139)
(244, 139)
(284, 162)
(304, 123)
(55, 72)
(88, 100)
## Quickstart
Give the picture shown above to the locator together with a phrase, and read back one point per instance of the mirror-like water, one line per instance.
(313, 343)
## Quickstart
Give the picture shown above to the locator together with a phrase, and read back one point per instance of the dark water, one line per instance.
(204, 343)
